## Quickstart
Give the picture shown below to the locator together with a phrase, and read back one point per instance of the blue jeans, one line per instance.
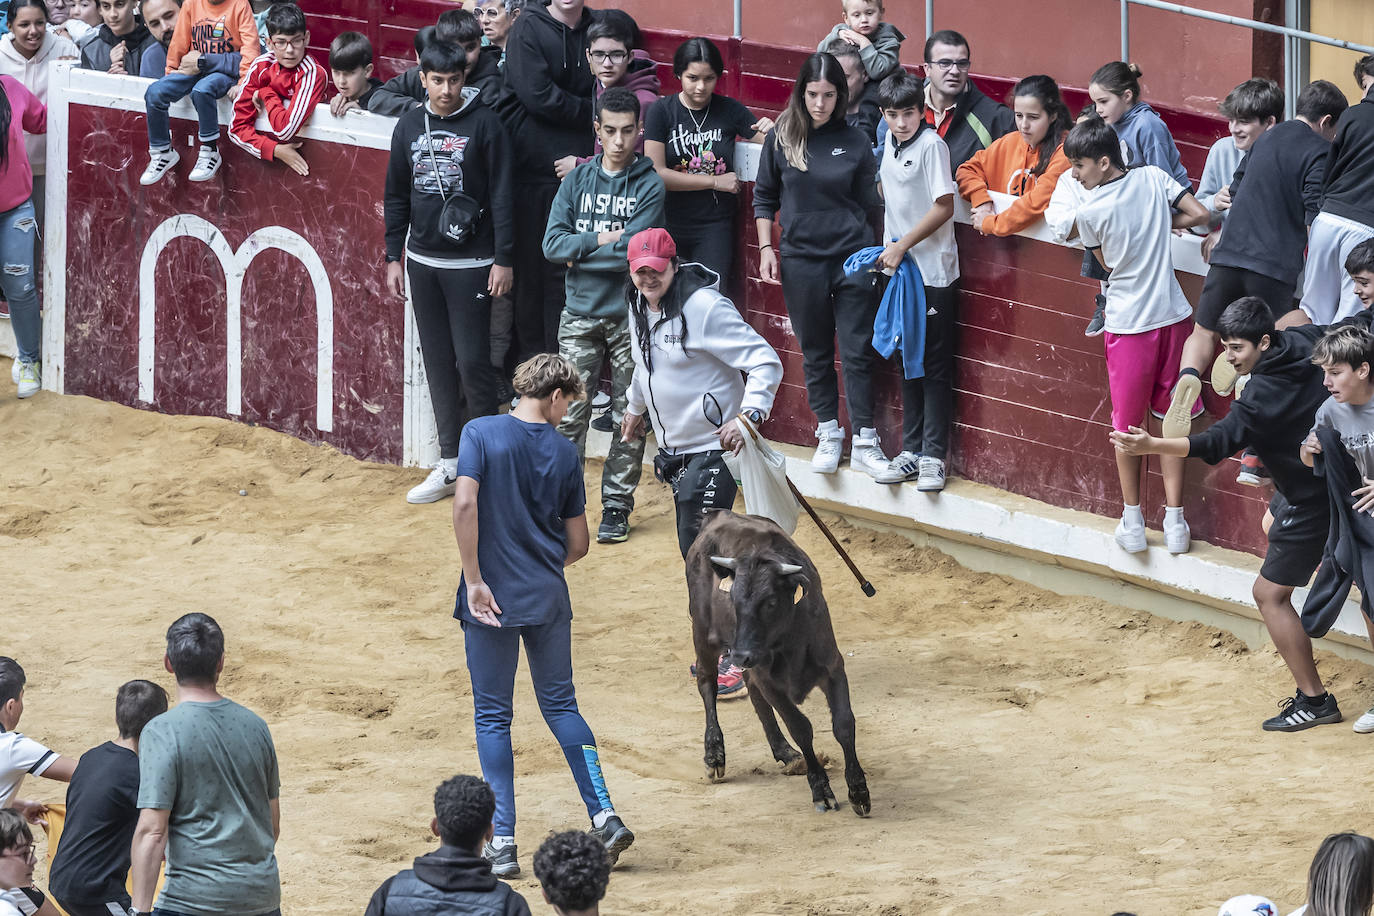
(205, 92)
(18, 230)
(493, 654)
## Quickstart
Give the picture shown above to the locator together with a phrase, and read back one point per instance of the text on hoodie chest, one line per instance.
(604, 212)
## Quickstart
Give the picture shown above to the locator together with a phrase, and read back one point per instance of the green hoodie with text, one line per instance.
(591, 201)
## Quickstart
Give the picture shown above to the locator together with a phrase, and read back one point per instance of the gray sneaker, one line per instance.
(930, 477)
(1099, 320)
(615, 836)
(904, 467)
(503, 861)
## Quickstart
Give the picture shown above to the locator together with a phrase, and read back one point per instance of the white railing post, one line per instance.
(1126, 30)
(930, 18)
(739, 18)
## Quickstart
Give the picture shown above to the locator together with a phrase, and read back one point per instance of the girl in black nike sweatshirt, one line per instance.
(820, 172)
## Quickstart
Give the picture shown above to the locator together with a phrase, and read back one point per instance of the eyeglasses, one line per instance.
(962, 64)
(490, 12)
(27, 853)
(615, 57)
(282, 44)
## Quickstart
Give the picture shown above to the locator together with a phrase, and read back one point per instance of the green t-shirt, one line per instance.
(214, 767)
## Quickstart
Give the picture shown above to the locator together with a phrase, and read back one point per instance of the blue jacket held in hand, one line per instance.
(901, 319)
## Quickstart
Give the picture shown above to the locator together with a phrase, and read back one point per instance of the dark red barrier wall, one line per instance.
(1033, 414)
(337, 210)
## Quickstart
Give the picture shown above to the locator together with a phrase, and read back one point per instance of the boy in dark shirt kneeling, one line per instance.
(92, 862)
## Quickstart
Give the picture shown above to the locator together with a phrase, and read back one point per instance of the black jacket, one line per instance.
(1275, 193)
(473, 155)
(95, 54)
(546, 100)
(1274, 416)
(402, 93)
(824, 209)
(978, 121)
(869, 113)
(448, 880)
(1349, 555)
(1349, 187)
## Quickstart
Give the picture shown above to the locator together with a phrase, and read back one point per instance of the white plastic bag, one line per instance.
(762, 473)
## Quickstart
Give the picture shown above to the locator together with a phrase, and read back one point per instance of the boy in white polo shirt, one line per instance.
(918, 195)
(20, 756)
(1126, 223)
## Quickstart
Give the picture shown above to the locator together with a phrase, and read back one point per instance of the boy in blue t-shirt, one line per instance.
(519, 515)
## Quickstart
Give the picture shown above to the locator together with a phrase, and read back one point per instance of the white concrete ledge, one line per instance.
(1209, 584)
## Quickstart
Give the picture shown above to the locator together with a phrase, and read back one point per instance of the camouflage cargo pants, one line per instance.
(588, 343)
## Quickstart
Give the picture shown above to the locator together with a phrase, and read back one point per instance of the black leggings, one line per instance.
(928, 403)
(539, 283)
(825, 305)
(701, 482)
(453, 317)
(709, 244)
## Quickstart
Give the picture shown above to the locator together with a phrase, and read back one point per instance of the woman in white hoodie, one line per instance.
(25, 53)
(690, 345)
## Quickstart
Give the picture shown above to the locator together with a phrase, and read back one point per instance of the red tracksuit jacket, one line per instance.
(288, 96)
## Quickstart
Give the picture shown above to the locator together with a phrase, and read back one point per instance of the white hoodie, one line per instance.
(719, 345)
(33, 73)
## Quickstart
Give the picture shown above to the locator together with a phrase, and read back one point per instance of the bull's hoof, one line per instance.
(827, 804)
(862, 806)
(716, 773)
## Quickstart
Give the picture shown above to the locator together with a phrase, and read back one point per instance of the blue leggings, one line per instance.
(493, 654)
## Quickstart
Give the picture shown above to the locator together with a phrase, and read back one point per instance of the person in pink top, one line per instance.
(20, 111)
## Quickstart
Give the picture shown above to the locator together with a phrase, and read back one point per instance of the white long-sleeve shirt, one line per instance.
(696, 383)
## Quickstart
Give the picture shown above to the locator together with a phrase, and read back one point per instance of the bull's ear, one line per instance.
(800, 586)
(724, 567)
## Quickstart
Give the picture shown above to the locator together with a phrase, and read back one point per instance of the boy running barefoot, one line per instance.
(1126, 224)
(1285, 392)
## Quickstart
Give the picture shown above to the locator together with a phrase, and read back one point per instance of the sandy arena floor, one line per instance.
(1027, 753)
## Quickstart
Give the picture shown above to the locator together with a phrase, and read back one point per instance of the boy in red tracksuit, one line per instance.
(285, 84)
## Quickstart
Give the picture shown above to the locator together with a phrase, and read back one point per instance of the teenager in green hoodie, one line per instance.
(599, 207)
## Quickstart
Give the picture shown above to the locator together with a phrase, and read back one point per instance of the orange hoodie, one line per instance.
(1006, 166)
(215, 27)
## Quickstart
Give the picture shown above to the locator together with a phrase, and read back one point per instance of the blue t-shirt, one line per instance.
(530, 481)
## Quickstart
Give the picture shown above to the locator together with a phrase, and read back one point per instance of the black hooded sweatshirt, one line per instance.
(1348, 190)
(546, 100)
(1274, 417)
(457, 880)
(474, 157)
(95, 54)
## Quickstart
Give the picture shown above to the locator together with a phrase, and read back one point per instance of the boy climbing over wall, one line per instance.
(205, 27)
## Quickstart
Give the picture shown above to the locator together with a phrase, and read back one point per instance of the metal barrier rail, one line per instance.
(1291, 37)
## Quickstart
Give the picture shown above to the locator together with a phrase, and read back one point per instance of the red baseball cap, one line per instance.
(652, 248)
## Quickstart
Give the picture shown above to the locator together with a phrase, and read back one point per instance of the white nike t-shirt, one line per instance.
(914, 176)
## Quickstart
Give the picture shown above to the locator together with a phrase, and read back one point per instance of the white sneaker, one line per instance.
(931, 478)
(1241, 382)
(1177, 536)
(1130, 538)
(159, 164)
(866, 453)
(30, 379)
(438, 485)
(827, 457)
(208, 162)
(903, 467)
(14, 370)
(1365, 723)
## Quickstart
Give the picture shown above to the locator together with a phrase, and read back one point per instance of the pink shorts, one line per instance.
(1142, 370)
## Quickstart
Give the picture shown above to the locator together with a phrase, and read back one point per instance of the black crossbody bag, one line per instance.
(460, 216)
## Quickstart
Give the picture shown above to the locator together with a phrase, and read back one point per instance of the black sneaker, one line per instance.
(503, 861)
(615, 836)
(604, 423)
(1300, 711)
(615, 526)
(1099, 319)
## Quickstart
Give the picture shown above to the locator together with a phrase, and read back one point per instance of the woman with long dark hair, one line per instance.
(1341, 879)
(20, 112)
(820, 172)
(690, 136)
(698, 365)
(1025, 164)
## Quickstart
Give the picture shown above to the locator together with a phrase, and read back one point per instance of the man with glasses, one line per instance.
(611, 52)
(17, 859)
(965, 118)
(285, 84)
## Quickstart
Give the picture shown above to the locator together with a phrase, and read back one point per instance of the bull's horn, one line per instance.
(789, 569)
(727, 562)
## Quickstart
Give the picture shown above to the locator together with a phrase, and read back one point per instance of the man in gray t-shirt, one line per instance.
(208, 793)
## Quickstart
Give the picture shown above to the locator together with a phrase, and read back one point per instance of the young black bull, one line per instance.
(753, 591)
